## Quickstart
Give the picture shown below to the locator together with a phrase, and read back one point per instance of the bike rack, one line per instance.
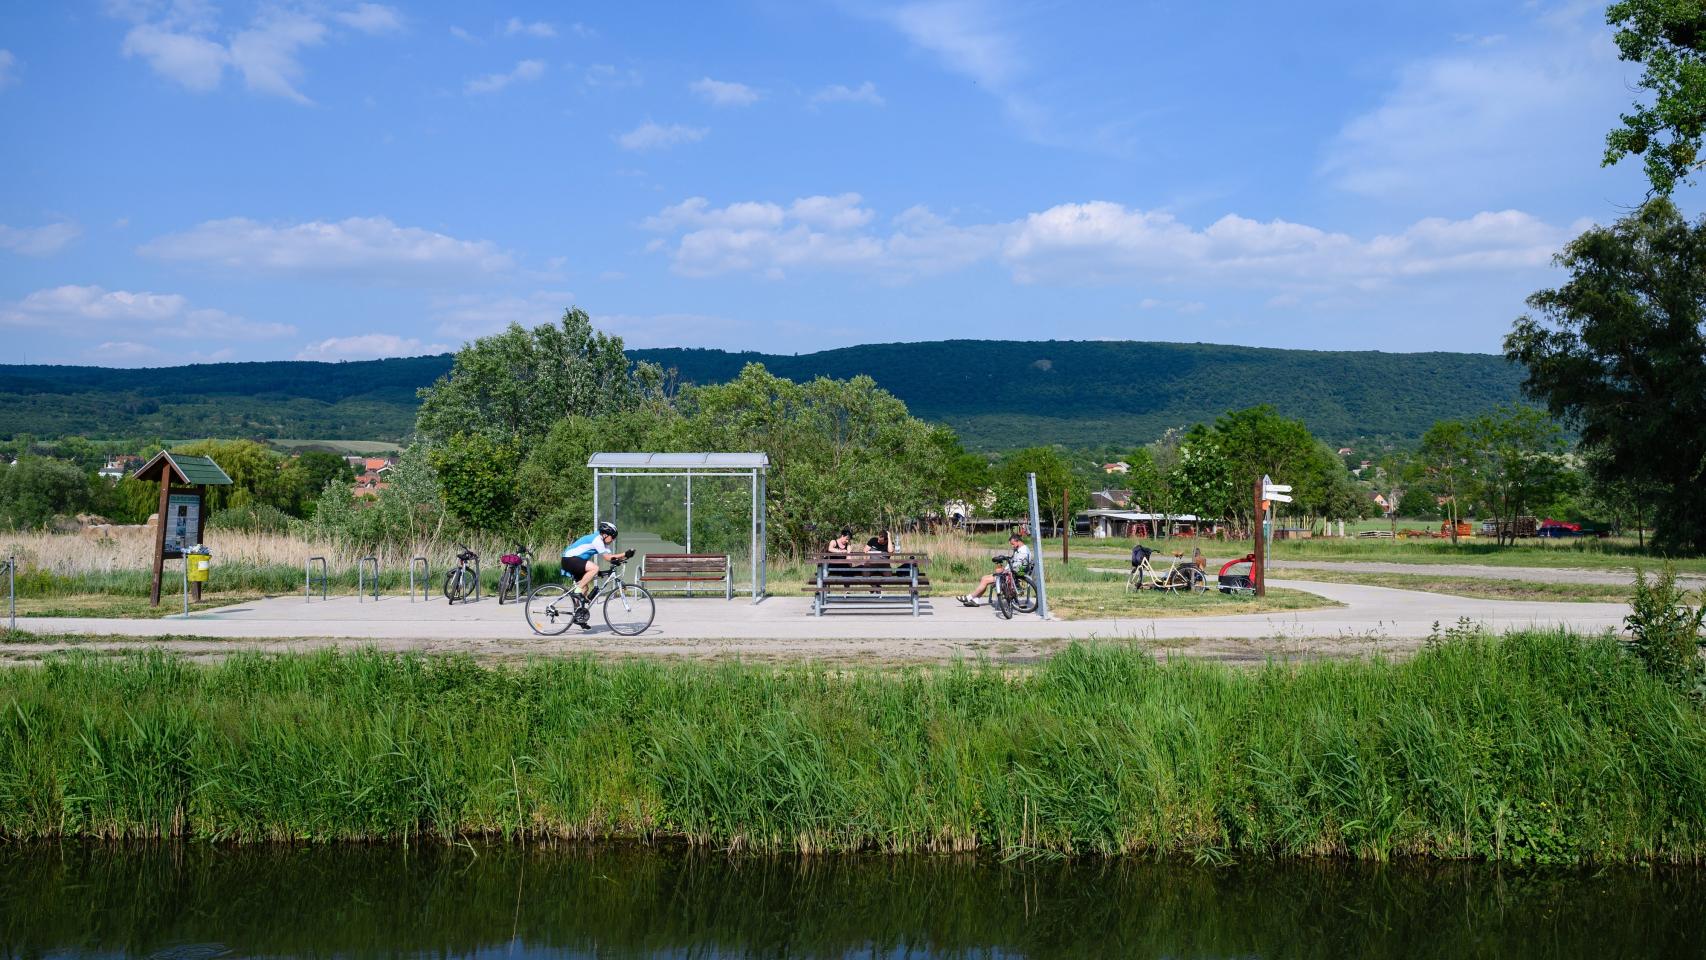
(475, 563)
(523, 582)
(308, 577)
(12, 590)
(360, 584)
(421, 564)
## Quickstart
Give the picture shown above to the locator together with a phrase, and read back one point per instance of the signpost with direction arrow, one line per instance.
(1267, 493)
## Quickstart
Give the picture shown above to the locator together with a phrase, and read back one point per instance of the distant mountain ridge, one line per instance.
(998, 394)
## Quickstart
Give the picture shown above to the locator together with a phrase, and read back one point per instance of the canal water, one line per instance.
(196, 902)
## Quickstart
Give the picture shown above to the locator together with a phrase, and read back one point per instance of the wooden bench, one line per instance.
(689, 569)
(868, 579)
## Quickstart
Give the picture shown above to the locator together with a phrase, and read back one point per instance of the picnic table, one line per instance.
(867, 579)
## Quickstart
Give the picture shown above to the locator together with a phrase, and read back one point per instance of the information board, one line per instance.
(183, 522)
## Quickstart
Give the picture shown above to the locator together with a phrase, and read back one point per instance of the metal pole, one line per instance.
(12, 590)
(186, 586)
(752, 546)
(1065, 529)
(595, 497)
(1037, 546)
(690, 516)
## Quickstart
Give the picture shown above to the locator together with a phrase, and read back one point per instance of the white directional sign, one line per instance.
(1278, 492)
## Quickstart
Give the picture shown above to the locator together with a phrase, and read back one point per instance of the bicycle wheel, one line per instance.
(1025, 597)
(998, 600)
(628, 610)
(549, 610)
(1134, 583)
(506, 584)
(455, 584)
(1195, 581)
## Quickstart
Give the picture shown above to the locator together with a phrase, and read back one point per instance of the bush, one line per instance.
(1664, 631)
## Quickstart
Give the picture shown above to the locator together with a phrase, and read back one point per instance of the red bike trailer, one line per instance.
(1238, 582)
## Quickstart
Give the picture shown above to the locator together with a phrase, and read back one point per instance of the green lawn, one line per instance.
(1470, 586)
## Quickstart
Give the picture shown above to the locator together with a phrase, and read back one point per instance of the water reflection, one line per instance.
(191, 902)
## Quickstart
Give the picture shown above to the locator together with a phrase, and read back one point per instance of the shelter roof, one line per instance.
(186, 469)
(681, 461)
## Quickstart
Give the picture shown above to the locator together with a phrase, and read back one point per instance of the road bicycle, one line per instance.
(517, 578)
(1181, 576)
(462, 581)
(628, 607)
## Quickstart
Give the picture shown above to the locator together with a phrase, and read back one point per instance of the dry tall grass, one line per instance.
(70, 554)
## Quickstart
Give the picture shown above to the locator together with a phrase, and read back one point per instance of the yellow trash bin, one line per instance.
(199, 563)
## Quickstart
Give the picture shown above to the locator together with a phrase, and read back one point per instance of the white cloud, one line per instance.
(723, 93)
(652, 136)
(473, 315)
(180, 42)
(1486, 120)
(371, 18)
(463, 35)
(362, 247)
(492, 83)
(609, 77)
(195, 63)
(539, 28)
(93, 310)
(1094, 242)
(369, 346)
(38, 241)
(841, 93)
(8, 69)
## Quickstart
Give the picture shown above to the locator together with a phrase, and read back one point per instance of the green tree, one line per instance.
(842, 452)
(515, 385)
(1668, 38)
(555, 486)
(257, 475)
(1151, 488)
(1521, 451)
(965, 476)
(1448, 465)
(1618, 352)
(306, 476)
(477, 475)
(36, 489)
(1056, 485)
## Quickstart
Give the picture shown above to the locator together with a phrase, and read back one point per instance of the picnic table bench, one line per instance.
(689, 569)
(868, 579)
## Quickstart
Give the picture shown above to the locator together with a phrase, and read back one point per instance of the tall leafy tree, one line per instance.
(1619, 353)
(1057, 487)
(1448, 465)
(1668, 38)
(514, 385)
(1521, 452)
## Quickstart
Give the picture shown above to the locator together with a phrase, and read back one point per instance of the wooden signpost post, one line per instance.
(1267, 493)
(183, 508)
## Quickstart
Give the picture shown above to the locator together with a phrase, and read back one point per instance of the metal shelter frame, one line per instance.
(754, 466)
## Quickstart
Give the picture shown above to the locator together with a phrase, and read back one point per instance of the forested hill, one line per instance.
(1090, 392)
(996, 393)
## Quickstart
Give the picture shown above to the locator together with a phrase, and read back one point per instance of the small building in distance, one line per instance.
(119, 467)
(1118, 466)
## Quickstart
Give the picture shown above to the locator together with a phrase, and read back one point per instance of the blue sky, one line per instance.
(328, 180)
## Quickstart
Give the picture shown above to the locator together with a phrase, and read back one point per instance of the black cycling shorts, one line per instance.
(575, 567)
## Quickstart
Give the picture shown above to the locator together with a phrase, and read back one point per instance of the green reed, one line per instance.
(1539, 746)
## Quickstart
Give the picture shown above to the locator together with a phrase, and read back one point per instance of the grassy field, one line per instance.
(1533, 747)
(1485, 589)
(369, 448)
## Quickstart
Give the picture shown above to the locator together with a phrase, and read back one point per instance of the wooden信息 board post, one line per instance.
(183, 507)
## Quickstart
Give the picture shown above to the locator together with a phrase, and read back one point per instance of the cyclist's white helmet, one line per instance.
(607, 528)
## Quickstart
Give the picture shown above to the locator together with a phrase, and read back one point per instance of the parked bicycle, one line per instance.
(517, 579)
(1183, 575)
(462, 581)
(628, 607)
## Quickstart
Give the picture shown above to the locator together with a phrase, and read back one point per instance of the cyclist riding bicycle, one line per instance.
(580, 563)
(1020, 564)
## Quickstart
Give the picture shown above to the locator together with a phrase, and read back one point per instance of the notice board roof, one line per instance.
(679, 461)
(187, 469)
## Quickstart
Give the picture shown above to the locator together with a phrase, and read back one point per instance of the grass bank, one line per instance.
(1533, 747)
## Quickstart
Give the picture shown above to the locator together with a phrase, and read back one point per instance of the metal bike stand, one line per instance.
(475, 564)
(308, 577)
(523, 581)
(426, 579)
(12, 590)
(360, 584)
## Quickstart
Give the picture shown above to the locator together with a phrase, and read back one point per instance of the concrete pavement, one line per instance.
(1370, 618)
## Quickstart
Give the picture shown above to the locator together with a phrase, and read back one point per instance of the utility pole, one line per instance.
(1258, 568)
(1037, 546)
(1066, 525)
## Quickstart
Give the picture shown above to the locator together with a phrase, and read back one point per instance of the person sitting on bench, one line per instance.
(1020, 564)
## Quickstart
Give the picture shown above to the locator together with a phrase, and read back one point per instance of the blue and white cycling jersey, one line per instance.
(587, 547)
